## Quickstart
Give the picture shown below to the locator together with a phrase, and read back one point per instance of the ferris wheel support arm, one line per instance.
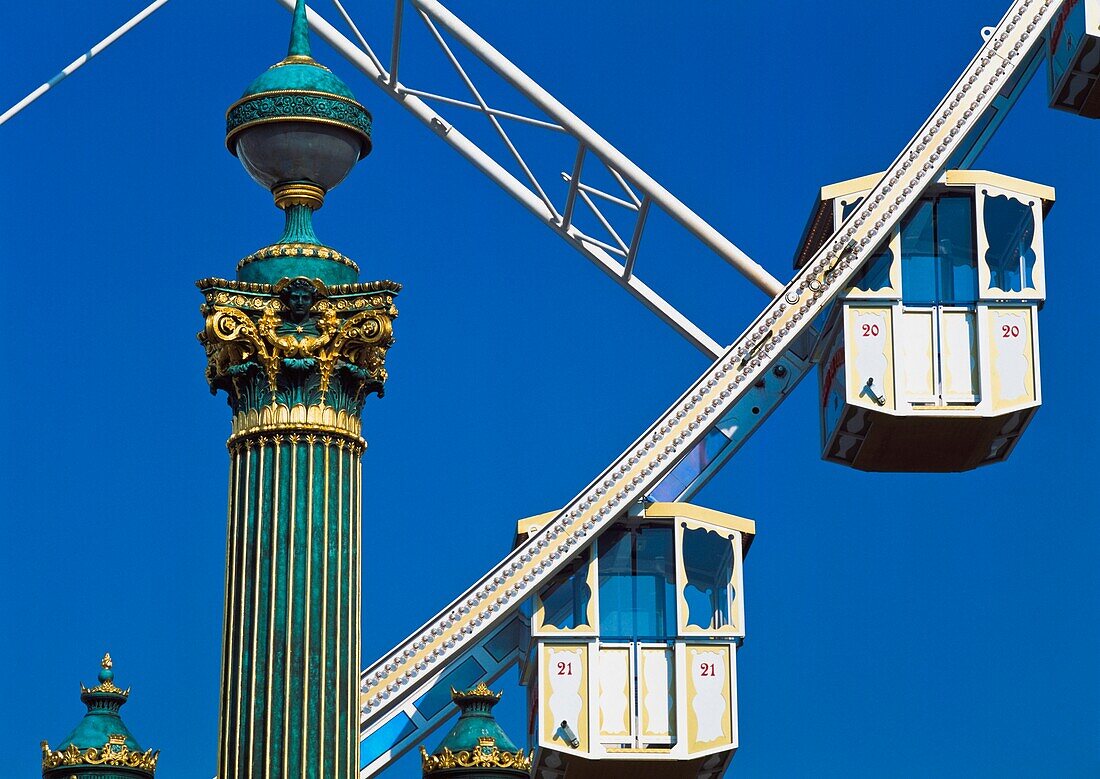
(79, 62)
(570, 122)
(593, 249)
(611, 156)
(963, 112)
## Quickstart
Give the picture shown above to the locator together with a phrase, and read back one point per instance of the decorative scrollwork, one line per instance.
(302, 105)
(112, 754)
(293, 349)
(479, 757)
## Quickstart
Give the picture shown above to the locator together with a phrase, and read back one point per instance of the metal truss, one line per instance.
(635, 193)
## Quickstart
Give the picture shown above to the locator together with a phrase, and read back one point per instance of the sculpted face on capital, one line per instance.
(298, 298)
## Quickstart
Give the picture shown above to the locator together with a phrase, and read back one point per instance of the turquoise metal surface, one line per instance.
(102, 720)
(299, 88)
(299, 105)
(297, 345)
(477, 746)
(297, 263)
(298, 124)
(100, 746)
(301, 255)
(290, 654)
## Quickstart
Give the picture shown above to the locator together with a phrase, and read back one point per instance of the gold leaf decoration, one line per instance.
(481, 757)
(110, 754)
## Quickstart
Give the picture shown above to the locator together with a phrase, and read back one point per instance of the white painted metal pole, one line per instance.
(79, 61)
(691, 221)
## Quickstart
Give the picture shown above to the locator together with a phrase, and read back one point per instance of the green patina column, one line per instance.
(297, 343)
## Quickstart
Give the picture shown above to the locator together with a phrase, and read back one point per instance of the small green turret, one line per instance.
(101, 746)
(476, 747)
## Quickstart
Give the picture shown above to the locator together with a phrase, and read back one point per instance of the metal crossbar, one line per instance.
(490, 115)
(603, 245)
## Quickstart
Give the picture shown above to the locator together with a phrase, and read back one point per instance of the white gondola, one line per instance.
(631, 670)
(1074, 58)
(930, 359)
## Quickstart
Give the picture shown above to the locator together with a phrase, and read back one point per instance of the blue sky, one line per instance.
(941, 625)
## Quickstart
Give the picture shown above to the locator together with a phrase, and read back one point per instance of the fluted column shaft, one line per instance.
(291, 645)
(297, 361)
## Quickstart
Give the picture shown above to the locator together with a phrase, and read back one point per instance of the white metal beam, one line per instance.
(612, 157)
(79, 62)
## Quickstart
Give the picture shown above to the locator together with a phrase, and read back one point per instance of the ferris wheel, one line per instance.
(916, 291)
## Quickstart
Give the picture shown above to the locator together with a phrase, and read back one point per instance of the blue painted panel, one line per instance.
(512, 636)
(385, 738)
(461, 677)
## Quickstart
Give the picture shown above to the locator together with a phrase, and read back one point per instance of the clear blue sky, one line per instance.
(942, 625)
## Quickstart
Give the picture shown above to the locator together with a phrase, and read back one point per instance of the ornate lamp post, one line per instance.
(297, 344)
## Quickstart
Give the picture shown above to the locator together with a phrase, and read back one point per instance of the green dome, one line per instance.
(299, 89)
(298, 131)
(100, 746)
(300, 75)
(477, 747)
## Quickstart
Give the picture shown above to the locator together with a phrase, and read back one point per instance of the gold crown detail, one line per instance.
(481, 757)
(112, 754)
(106, 687)
(481, 691)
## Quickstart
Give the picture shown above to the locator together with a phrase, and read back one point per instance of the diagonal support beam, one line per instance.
(621, 167)
(485, 110)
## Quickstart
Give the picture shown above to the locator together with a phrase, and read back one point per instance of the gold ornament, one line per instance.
(481, 691)
(114, 753)
(297, 250)
(482, 757)
(277, 417)
(108, 687)
(231, 337)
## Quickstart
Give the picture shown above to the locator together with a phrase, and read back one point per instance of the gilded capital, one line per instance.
(312, 350)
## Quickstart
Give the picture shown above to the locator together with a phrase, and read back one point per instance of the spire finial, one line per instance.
(107, 663)
(299, 32)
